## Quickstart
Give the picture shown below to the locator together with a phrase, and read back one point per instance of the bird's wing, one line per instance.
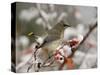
(51, 38)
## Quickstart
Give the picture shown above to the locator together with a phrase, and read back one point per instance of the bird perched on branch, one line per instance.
(53, 37)
(53, 34)
(49, 42)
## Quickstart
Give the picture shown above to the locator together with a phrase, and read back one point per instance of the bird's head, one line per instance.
(63, 24)
(66, 25)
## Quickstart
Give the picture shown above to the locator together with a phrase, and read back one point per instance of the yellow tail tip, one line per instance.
(30, 34)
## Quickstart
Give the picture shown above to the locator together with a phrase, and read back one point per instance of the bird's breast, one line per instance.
(53, 45)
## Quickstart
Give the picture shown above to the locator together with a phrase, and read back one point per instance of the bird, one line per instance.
(46, 44)
(54, 37)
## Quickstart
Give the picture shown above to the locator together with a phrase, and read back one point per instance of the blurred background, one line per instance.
(37, 18)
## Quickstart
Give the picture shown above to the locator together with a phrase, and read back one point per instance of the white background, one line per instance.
(5, 39)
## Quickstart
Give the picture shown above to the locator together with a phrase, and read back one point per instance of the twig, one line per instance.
(46, 61)
(85, 37)
(33, 55)
(29, 67)
(43, 65)
(31, 64)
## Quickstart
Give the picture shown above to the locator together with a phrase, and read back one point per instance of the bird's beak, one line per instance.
(66, 25)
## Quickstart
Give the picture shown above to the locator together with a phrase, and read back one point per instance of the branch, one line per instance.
(33, 55)
(73, 50)
(85, 37)
(43, 65)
